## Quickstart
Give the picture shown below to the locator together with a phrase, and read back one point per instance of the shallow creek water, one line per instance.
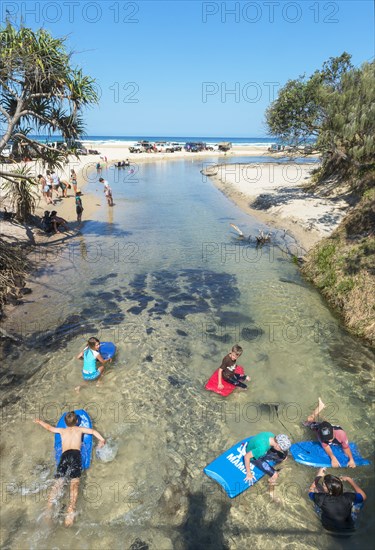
(163, 276)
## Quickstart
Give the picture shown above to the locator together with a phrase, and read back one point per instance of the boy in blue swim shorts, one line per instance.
(90, 356)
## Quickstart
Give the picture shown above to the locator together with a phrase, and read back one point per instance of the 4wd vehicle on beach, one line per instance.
(195, 146)
(164, 147)
(137, 148)
(147, 146)
(78, 148)
(224, 146)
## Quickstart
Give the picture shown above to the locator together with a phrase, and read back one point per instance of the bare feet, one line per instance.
(69, 518)
(247, 378)
(317, 411)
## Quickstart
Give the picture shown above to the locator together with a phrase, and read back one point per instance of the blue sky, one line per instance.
(197, 68)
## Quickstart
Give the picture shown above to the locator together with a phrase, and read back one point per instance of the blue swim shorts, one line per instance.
(90, 375)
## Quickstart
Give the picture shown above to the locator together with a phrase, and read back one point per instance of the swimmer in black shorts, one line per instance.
(70, 465)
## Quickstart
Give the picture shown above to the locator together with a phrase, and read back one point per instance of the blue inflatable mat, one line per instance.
(229, 470)
(311, 453)
(107, 350)
(85, 422)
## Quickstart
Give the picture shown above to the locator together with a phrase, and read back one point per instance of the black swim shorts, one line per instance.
(70, 465)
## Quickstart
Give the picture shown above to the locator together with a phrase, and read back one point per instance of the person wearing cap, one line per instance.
(264, 448)
(337, 509)
(329, 435)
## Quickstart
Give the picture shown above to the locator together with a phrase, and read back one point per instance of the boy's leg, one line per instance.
(55, 491)
(74, 486)
(315, 414)
(243, 377)
(238, 383)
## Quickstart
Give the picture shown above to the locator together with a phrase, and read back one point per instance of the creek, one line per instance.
(163, 276)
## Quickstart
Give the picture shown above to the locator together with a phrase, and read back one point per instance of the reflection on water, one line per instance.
(162, 276)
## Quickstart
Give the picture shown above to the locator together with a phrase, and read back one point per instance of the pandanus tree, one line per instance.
(41, 93)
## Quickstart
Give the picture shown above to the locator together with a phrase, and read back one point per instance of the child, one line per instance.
(57, 222)
(227, 368)
(329, 435)
(90, 356)
(73, 180)
(79, 209)
(70, 465)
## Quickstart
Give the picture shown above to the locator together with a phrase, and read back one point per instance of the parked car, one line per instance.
(195, 147)
(224, 146)
(164, 147)
(212, 147)
(276, 147)
(146, 146)
(177, 146)
(77, 147)
(136, 148)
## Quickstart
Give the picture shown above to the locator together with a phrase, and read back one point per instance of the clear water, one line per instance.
(163, 276)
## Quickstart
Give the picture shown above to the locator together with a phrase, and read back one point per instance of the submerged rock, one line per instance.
(139, 544)
(175, 382)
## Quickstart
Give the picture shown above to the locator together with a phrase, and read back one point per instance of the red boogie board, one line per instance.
(228, 388)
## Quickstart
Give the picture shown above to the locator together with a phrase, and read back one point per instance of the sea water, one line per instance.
(163, 275)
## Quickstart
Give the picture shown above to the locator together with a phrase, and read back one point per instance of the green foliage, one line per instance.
(336, 106)
(21, 192)
(324, 256)
(40, 91)
(346, 285)
(343, 267)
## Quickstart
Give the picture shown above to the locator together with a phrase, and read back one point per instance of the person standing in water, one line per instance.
(337, 509)
(107, 191)
(79, 209)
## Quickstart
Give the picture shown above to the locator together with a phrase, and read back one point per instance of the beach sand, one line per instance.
(272, 193)
(275, 194)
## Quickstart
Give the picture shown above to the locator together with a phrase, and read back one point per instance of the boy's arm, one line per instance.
(348, 452)
(90, 431)
(250, 474)
(220, 379)
(334, 462)
(48, 426)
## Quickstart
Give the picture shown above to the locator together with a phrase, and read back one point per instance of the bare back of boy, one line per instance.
(71, 438)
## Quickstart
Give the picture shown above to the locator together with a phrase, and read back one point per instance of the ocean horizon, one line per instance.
(118, 140)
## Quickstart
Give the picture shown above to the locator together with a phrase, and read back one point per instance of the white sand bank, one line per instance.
(274, 193)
